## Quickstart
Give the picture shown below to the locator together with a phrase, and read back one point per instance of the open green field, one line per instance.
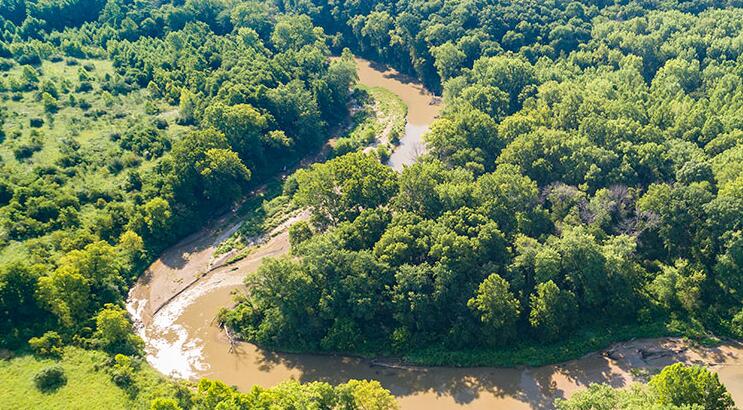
(89, 386)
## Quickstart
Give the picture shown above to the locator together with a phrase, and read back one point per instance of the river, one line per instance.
(175, 302)
(421, 108)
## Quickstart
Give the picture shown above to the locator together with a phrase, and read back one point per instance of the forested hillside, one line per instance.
(590, 193)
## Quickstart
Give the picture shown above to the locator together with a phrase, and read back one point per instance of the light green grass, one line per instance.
(392, 107)
(86, 388)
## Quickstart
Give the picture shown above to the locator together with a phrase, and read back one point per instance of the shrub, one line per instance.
(682, 385)
(50, 378)
(160, 123)
(384, 153)
(25, 151)
(122, 371)
(736, 325)
(84, 86)
(36, 122)
(164, 404)
(51, 105)
(48, 345)
(6, 64)
(115, 166)
(299, 232)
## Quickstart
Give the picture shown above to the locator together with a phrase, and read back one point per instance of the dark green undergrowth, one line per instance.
(584, 341)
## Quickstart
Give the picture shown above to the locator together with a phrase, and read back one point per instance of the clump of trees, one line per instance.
(676, 387)
(354, 394)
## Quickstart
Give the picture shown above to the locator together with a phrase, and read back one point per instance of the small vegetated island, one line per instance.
(583, 185)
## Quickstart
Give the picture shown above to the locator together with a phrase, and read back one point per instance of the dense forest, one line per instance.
(585, 176)
(594, 188)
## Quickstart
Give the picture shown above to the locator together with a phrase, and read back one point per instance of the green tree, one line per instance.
(163, 403)
(553, 311)
(365, 394)
(341, 188)
(448, 59)
(114, 331)
(66, 293)
(224, 175)
(243, 126)
(496, 306)
(18, 307)
(680, 385)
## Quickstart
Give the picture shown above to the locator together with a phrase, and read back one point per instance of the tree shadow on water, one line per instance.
(536, 387)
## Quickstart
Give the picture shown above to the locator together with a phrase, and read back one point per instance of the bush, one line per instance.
(384, 153)
(25, 151)
(48, 345)
(84, 86)
(299, 232)
(736, 325)
(122, 371)
(50, 378)
(164, 404)
(116, 165)
(681, 385)
(6, 64)
(36, 122)
(160, 123)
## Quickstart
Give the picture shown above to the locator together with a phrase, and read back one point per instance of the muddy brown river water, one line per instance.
(175, 302)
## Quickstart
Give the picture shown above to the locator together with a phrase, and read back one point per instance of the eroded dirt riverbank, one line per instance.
(175, 303)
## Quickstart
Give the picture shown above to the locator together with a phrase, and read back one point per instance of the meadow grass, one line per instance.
(86, 387)
(89, 385)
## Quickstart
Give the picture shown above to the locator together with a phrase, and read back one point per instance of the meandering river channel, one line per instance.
(175, 302)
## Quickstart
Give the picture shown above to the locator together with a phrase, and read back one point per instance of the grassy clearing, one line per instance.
(88, 386)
